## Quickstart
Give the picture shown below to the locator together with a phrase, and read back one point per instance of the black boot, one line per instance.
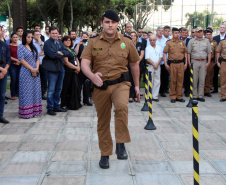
(121, 151)
(104, 162)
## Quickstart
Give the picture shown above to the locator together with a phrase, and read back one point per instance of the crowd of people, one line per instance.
(51, 63)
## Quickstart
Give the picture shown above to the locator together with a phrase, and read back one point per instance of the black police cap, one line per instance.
(210, 29)
(111, 14)
(175, 29)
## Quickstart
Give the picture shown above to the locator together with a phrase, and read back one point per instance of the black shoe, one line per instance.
(104, 162)
(214, 91)
(173, 101)
(130, 101)
(3, 120)
(88, 103)
(60, 110)
(51, 112)
(180, 100)
(222, 100)
(187, 94)
(121, 151)
(7, 98)
(196, 99)
(44, 97)
(163, 94)
(156, 100)
(141, 94)
(167, 91)
(6, 102)
(207, 94)
(201, 99)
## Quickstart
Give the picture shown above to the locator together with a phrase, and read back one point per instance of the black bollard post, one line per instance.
(195, 141)
(191, 87)
(145, 107)
(150, 125)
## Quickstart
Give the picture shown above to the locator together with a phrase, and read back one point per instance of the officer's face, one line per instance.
(176, 34)
(199, 34)
(166, 32)
(54, 34)
(29, 38)
(208, 35)
(193, 33)
(109, 26)
(139, 32)
(159, 32)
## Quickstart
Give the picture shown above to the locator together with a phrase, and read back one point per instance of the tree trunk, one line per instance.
(40, 10)
(60, 4)
(71, 23)
(9, 16)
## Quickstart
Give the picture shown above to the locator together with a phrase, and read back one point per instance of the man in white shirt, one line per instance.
(46, 36)
(153, 56)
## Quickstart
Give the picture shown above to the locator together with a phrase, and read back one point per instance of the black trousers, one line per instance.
(164, 79)
(132, 93)
(215, 78)
(82, 79)
(43, 78)
(187, 81)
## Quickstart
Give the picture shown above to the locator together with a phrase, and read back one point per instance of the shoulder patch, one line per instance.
(94, 35)
(126, 35)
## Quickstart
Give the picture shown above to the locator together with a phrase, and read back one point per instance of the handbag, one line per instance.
(52, 65)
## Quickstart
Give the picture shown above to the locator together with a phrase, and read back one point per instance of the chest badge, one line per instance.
(181, 44)
(123, 45)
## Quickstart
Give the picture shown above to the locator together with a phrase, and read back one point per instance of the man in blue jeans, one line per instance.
(54, 49)
(5, 60)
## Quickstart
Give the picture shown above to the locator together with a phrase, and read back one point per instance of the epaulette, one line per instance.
(94, 35)
(126, 35)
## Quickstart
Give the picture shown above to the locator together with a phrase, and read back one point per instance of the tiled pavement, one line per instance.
(63, 150)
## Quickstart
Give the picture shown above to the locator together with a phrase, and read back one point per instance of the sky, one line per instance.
(163, 18)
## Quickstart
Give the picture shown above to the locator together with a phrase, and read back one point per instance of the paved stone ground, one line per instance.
(63, 150)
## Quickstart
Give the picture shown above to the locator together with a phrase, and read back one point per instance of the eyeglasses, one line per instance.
(140, 32)
(193, 32)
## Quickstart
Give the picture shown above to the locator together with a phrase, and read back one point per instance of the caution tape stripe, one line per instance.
(196, 176)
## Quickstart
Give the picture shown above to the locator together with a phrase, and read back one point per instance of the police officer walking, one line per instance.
(199, 49)
(5, 60)
(109, 53)
(177, 64)
(222, 65)
(210, 70)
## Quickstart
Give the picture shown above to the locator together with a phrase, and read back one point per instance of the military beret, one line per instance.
(175, 29)
(111, 14)
(210, 29)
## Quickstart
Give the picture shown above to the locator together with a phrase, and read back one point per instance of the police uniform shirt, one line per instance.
(222, 48)
(4, 54)
(176, 49)
(213, 44)
(199, 49)
(110, 56)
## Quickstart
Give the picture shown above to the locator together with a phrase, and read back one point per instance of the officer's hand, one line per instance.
(218, 64)
(4, 71)
(137, 90)
(167, 67)
(207, 66)
(97, 80)
(185, 67)
(1, 76)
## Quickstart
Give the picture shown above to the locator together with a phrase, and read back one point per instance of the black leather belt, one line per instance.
(175, 61)
(224, 60)
(124, 77)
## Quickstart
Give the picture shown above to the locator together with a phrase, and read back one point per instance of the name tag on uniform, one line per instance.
(172, 46)
(97, 49)
(194, 42)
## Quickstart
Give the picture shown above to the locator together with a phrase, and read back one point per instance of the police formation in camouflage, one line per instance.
(108, 53)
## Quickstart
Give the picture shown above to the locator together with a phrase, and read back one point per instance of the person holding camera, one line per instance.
(5, 60)
(82, 78)
(30, 96)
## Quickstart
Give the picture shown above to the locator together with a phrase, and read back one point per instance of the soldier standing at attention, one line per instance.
(210, 69)
(109, 53)
(199, 49)
(177, 61)
(222, 49)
